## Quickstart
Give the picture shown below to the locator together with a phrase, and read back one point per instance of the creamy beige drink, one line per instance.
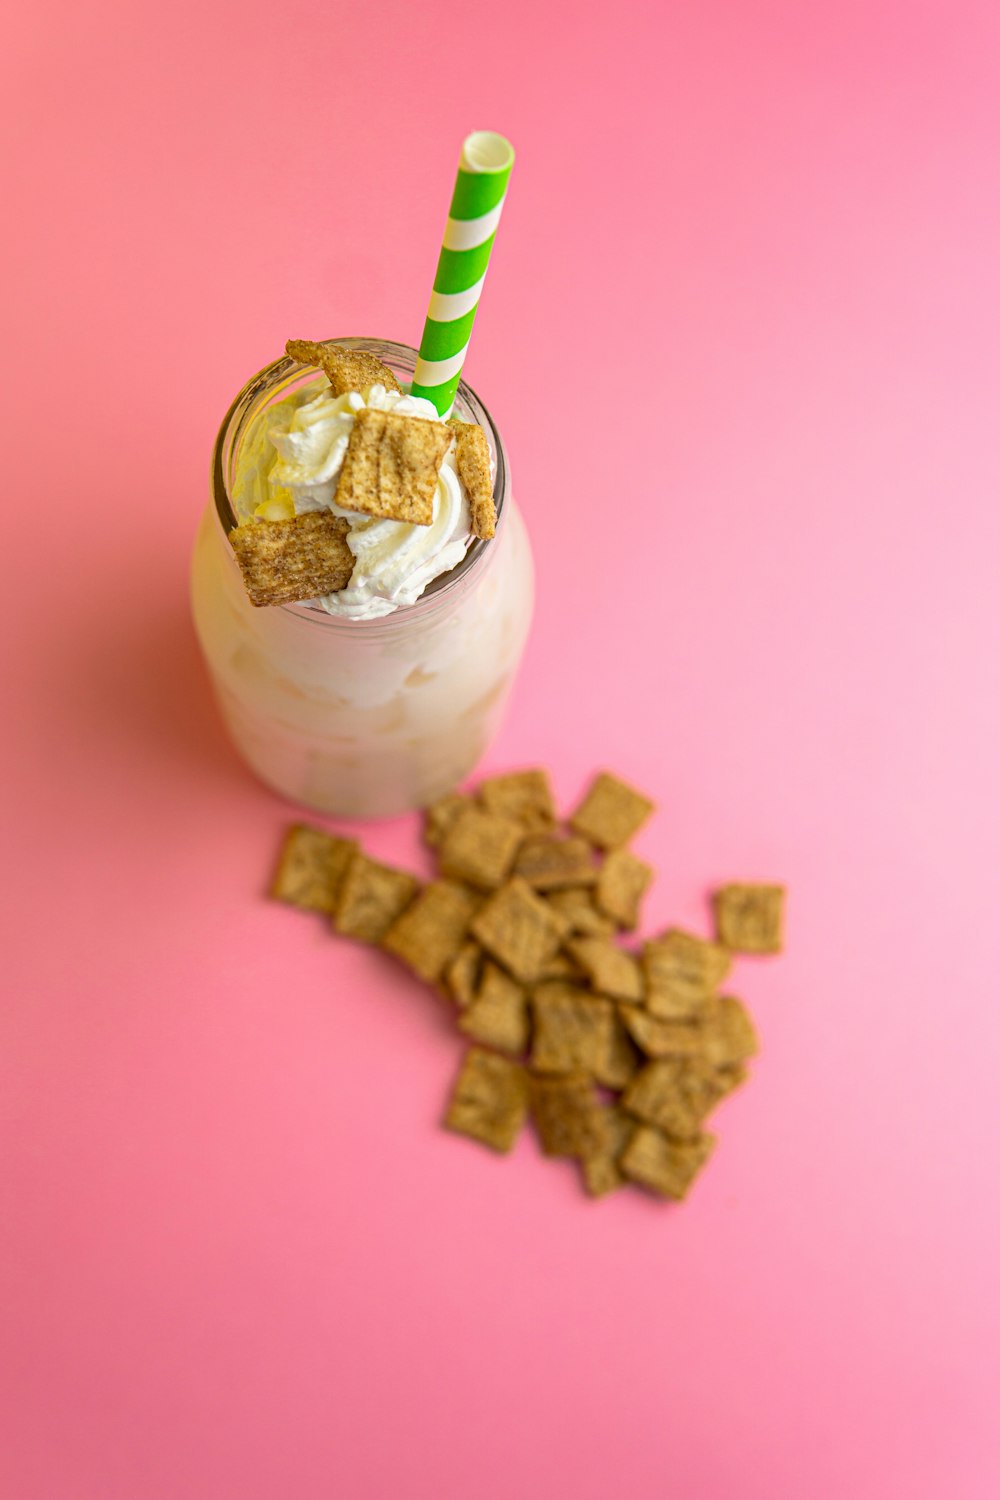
(381, 697)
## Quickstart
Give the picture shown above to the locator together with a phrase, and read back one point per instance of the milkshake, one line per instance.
(382, 695)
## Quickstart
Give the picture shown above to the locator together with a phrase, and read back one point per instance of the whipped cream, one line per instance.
(297, 469)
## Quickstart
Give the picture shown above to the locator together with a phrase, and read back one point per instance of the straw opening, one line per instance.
(485, 151)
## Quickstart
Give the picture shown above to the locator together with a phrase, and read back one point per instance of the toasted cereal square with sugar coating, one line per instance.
(576, 904)
(622, 1060)
(749, 918)
(489, 1101)
(572, 1031)
(728, 1034)
(463, 973)
(472, 460)
(391, 466)
(311, 866)
(549, 864)
(621, 885)
(601, 1171)
(519, 929)
(665, 1166)
(611, 812)
(440, 815)
(676, 1093)
(285, 562)
(562, 967)
(568, 1116)
(430, 932)
(371, 897)
(682, 971)
(479, 847)
(609, 968)
(499, 1015)
(346, 369)
(658, 1038)
(525, 796)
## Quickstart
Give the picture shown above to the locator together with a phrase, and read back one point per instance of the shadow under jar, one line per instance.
(361, 718)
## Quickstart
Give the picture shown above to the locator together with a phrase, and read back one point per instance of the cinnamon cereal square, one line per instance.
(499, 1015)
(577, 905)
(519, 929)
(479, 847)
(573, 1030)
(658, 1038)
(549, 864)
(472, 460)
(525, 796)
(728, 1034)
(311, 867)
(430, 932)
(622, 1059)
(676, 1094)
(568, 1116)
(440, 815)
(346, 369)
(611, 812)
(391, 466)
(665, 1166)
(602, 1172)
(748, 918)
(682, 971)
(371, 897)
(463, 973)
(609, 968)
(489, 1101)
(621, 885)
(285, 562)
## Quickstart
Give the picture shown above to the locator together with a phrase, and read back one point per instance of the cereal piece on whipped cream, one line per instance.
(372, 896)
(391, 466)
(311, 867)
(284, 562)
(472, 460)
(346, 369)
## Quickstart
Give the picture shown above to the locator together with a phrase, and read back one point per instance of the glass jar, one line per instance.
(362, 718)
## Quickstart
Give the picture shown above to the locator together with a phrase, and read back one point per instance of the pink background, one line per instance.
(756, 445)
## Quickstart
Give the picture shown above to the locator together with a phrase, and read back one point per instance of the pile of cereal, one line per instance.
(618, 1056)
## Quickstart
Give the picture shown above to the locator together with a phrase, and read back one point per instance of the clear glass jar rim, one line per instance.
(281, 372)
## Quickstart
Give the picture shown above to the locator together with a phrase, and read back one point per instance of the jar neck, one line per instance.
(281, 379)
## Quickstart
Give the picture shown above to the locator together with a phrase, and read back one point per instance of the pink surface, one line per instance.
(238, 1257)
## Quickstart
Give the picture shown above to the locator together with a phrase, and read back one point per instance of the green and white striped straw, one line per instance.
(476, 205)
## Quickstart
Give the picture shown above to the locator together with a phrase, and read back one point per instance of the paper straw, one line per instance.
(476, 205)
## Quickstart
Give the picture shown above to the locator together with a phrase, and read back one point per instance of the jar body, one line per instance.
(365, 718)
